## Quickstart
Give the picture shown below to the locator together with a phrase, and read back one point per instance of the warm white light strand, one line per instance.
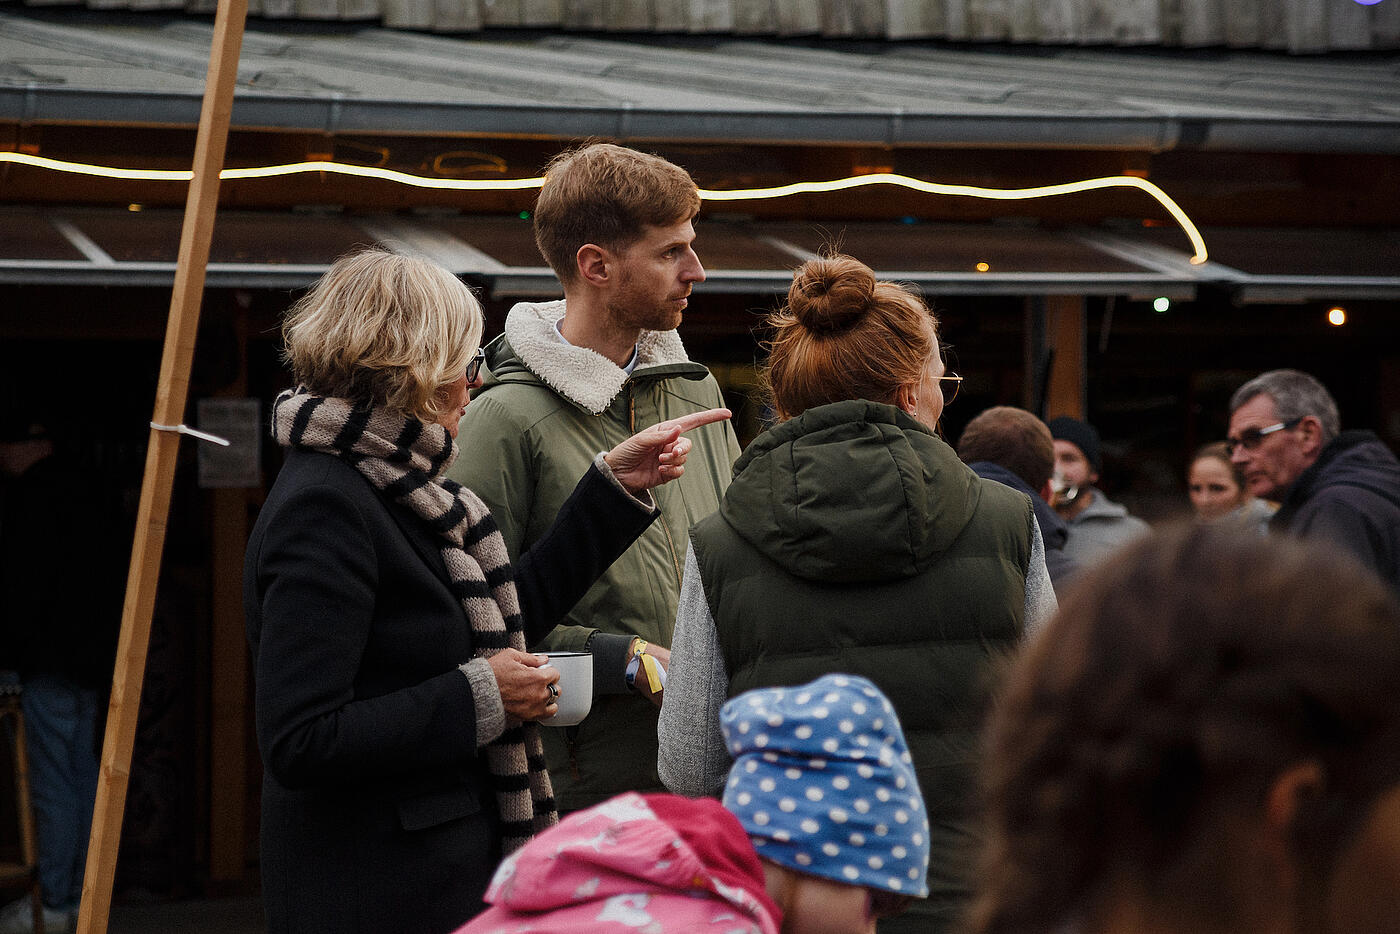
(744, 194)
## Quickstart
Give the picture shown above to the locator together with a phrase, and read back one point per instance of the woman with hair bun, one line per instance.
(853, 539)
(1205, 739)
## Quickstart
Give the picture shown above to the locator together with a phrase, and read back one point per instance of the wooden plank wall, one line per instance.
(1300, 26)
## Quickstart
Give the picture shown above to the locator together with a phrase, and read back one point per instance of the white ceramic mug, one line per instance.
(575, 687)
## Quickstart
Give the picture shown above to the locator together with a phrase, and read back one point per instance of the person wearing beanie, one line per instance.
(822, 828)
(1097, 525)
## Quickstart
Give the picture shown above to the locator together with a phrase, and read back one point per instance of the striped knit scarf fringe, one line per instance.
(405, 458)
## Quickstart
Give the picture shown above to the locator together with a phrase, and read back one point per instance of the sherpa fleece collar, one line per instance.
(584, 377)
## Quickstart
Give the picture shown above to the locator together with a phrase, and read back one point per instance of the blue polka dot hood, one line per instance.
(823, 783)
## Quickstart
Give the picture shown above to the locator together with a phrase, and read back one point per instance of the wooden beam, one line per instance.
(1065, 330)
(228, 713)
(162, 450)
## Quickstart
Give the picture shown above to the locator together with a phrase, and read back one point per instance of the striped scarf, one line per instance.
(404, 459)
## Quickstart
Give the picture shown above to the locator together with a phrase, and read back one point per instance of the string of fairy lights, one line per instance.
(742, 194)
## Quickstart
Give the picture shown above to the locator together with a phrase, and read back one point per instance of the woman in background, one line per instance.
(1205, 739)
(1218, 493)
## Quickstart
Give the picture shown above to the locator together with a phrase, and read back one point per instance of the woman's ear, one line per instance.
(907, 397)
(1292, 790)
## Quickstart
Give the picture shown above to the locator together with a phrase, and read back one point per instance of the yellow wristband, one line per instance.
(653, 669)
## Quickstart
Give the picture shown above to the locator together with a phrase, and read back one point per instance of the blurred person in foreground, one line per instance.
(1012, 446)
(822, 830)
(853, 539)
(571, 377)
(1206, 739)
(1218, 492)
(1341, 487)
(395, 701)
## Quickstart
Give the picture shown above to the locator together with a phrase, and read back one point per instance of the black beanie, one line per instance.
(1080, 434)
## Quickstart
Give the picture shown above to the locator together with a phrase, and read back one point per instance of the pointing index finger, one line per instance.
(696, 419)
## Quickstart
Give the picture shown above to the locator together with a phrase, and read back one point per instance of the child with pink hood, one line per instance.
(822, 829)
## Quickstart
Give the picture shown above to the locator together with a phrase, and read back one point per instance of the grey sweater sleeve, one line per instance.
(692, 760)
(1040, 594)
(490, 708)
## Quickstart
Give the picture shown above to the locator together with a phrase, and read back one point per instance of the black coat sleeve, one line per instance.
(596, 524)
(330, 610)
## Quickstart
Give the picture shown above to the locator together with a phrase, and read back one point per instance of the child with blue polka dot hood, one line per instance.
(822, 830)
(824, 784)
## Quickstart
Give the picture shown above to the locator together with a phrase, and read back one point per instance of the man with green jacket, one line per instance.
(569, 379)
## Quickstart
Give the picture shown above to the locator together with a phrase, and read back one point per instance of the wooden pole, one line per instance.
(201, 205)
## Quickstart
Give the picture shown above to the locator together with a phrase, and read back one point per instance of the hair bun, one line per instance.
(831, 294)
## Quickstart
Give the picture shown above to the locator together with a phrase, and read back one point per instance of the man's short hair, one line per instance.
(1295, 395)
(1012, 438)
(604, 194)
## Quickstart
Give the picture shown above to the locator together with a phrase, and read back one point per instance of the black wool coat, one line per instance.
(377, 810)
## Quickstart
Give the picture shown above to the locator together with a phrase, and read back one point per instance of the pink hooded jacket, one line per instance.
(635, 864)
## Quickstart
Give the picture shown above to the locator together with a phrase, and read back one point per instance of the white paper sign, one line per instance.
(240, 422)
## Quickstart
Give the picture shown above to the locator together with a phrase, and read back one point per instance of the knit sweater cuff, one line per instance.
(486, 693)
(644, 502)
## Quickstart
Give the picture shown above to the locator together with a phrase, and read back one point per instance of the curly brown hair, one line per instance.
(1173, 688)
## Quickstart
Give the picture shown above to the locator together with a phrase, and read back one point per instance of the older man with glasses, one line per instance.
(1340, 486)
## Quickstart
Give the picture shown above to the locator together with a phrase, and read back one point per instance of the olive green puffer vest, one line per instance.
(853, 540)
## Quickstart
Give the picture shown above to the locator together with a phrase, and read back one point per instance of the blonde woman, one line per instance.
(395, 699)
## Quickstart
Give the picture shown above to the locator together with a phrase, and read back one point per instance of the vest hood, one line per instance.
(584, 377)
(851, 491)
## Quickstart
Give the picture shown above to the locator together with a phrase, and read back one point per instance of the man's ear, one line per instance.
(1047, 491)
(1310, 435)
(594, 264)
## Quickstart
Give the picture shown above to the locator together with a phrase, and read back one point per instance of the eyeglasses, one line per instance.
(1250, 438)
(950, 384)
(474, 365)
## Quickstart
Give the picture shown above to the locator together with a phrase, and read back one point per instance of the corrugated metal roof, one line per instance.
(339, 78)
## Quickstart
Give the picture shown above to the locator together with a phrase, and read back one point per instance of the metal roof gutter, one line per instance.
(38, 103)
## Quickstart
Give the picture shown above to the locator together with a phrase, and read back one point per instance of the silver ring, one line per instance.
(553, 691)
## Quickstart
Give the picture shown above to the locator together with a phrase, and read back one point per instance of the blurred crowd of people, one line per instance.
(850, 678)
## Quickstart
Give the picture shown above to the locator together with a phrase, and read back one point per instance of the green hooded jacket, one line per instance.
(853, 540)
(544, 413)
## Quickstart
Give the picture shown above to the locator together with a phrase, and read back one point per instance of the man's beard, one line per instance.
(634, 309)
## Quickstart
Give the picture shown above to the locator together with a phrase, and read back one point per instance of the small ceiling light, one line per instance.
(133, 207)
(1160, 305)
(1337, 316)
(983, 267)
